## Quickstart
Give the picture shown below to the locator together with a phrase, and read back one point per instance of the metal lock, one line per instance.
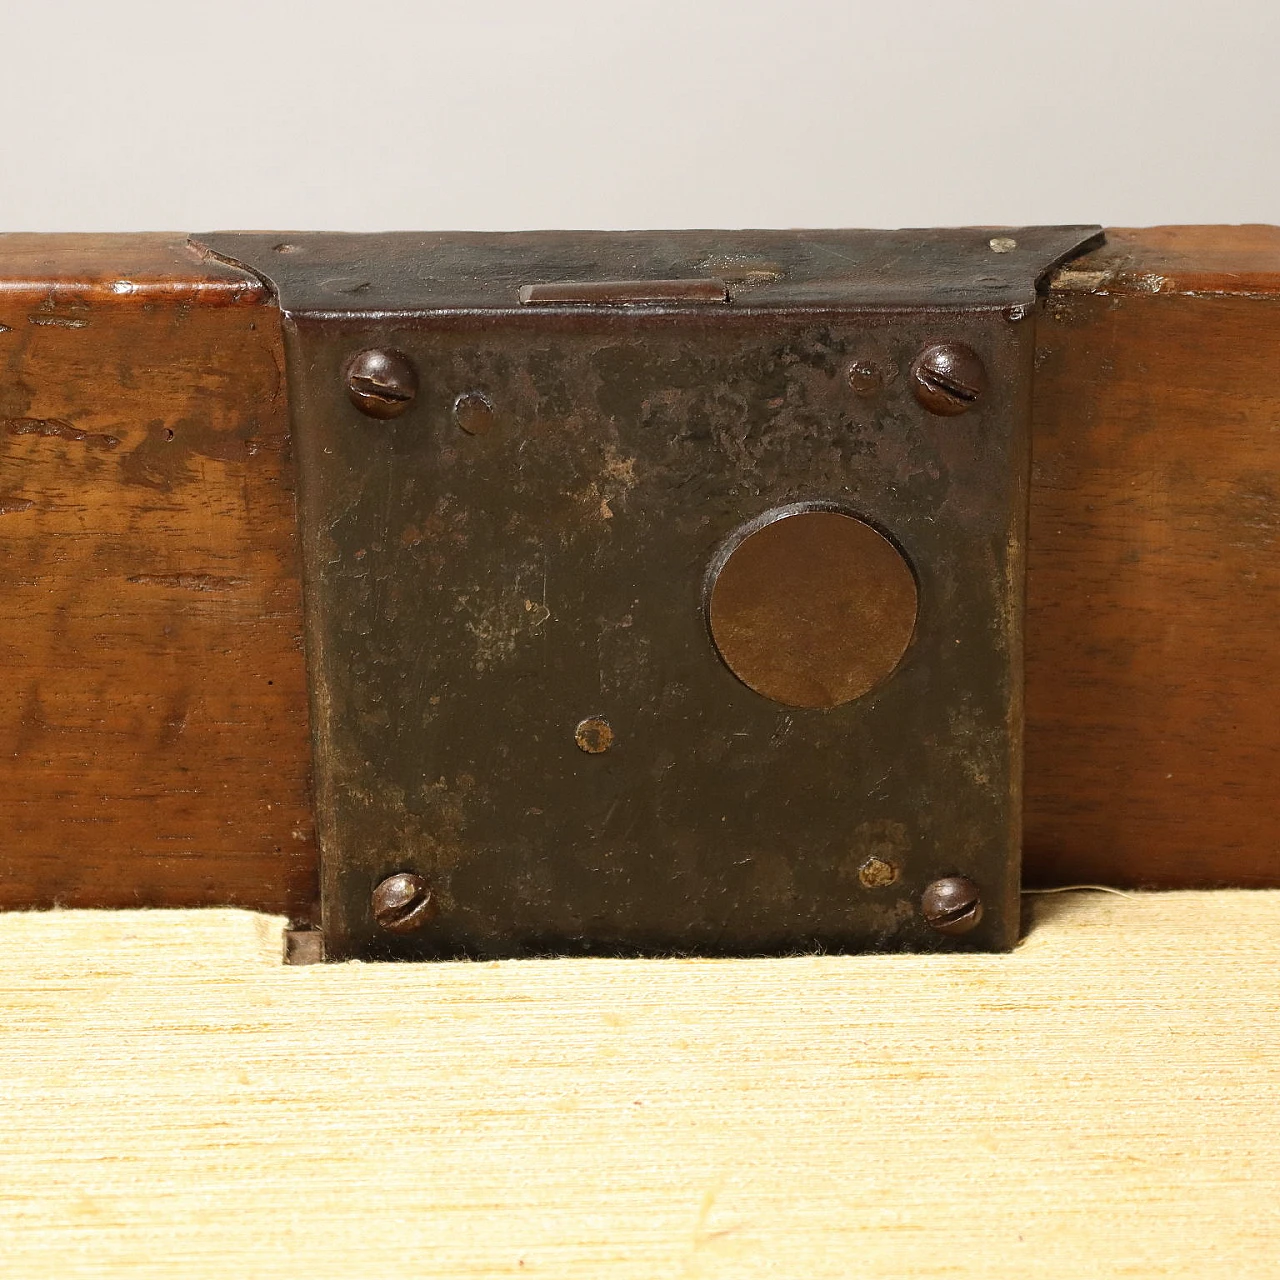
(663, 590)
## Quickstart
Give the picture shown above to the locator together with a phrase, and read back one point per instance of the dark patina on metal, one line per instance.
(527, 704)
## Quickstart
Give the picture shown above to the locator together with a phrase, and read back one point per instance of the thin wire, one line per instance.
(1073, 888)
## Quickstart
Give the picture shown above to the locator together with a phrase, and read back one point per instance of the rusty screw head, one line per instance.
(403, 902)
(952, 905)
(382, 382)
(866, 378)
(949, 378)
(877, 873)
(593, 735)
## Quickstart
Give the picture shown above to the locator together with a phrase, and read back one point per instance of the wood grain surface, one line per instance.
(1153, 643)
(1099, 1103)
(153, 741)
(153, 745)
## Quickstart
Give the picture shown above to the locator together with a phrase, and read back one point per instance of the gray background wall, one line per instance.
(366, 114)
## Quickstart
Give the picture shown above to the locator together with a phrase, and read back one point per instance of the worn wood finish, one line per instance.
(152, 728)
(153, 744)
(1153, 631)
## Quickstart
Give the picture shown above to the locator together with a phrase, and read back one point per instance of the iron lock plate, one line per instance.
(667, 612)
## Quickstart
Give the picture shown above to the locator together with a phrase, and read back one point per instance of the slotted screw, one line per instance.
(382, 383)
(949, 378)
(952, 905)
(403, 903)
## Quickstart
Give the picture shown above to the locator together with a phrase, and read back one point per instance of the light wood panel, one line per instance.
(1098, 1103)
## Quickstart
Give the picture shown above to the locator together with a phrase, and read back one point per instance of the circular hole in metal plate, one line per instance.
(811, 607)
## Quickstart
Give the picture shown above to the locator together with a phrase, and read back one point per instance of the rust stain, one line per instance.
(56, 429)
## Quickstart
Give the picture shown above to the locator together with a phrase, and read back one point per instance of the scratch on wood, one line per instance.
(59, 322)
(187, 581)
(55, 428)
(9, 504)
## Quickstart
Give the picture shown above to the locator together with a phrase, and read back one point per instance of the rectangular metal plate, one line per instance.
(472, 597)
